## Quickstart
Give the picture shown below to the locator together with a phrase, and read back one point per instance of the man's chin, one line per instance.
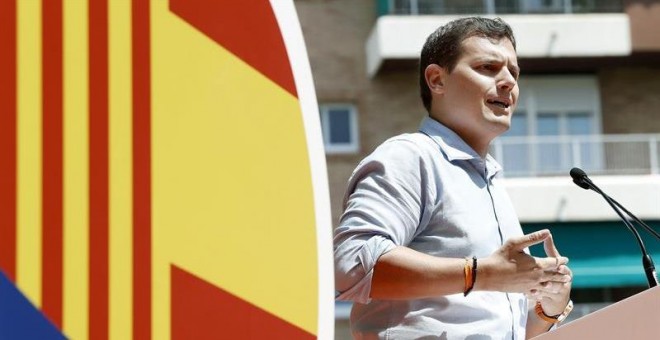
(500, 126)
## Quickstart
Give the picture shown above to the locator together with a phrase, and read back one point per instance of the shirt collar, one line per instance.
(454, 147)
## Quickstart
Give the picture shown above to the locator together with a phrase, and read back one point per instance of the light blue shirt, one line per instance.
(431, 192)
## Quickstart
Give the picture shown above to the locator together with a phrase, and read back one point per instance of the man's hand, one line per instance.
(510, 269)
(554, 296)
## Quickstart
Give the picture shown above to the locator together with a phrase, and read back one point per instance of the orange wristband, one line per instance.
(470, 271)
(556, 318)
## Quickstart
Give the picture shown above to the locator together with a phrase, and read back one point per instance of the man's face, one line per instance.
(481, 92)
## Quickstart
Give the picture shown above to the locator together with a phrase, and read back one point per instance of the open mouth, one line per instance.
(499, 103)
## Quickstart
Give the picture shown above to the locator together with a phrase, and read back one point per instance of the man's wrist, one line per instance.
(483, 272)
(553, 318)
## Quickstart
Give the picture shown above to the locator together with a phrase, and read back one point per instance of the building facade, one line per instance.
(590, 98)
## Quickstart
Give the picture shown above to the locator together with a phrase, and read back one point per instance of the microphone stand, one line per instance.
(647, 262)
(639, 222)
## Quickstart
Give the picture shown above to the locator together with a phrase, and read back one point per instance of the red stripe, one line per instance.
(98, 170)
(141, 171)
(52, 160)
(8, 138)
(200, 311)
(238, 26)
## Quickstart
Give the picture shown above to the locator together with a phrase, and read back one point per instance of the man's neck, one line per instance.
(480, 145)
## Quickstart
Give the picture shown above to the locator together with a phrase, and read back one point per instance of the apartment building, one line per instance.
(590, 98)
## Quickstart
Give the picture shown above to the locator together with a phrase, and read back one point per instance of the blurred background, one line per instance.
(590, 86)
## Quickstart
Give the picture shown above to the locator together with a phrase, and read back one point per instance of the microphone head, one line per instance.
(580, 178)
(581, 183)
(578, 173)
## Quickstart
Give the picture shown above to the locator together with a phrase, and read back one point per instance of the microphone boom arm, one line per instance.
(639, 222)
(582, 180)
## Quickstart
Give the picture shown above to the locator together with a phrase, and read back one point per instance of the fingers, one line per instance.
(557, 277)
(552, 253)
(533, 294)
(552, 292)
(554, 283)
(551, 263)
(550, 248)
(525, 241)
(550, 289)
(565, 270)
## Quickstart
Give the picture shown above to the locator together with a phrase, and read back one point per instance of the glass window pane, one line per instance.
(580, 124)
(400, 7)
(451, 7)
(340, 126)
(551, 156)
(549, 151)
(597, 6)
(507, 6)
(516, 158)
(585, 151)
(516, 153)
(543, 6)
(431, 7)
(518, 125)
(547, 124)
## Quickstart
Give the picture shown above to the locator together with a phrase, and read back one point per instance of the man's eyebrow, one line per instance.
(488, 58)
(494, 58)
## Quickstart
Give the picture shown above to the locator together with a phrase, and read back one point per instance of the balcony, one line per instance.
(534, 156)
(435, 7)
(536, 175)
(563, 29)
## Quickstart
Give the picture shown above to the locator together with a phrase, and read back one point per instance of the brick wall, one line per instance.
(630, 100)
(335, 34)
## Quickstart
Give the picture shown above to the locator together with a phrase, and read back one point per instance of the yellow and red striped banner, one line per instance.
(162, 174)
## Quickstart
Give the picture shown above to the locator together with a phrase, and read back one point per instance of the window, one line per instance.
(554, 127)
(544, 6)
(513, 155)
(339, 127)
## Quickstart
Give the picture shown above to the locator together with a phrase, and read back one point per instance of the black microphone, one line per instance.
(582, 180)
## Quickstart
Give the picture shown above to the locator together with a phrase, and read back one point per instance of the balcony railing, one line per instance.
(533, 156)
(453, 7)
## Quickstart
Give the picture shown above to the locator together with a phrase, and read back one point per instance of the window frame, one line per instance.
(339, 148)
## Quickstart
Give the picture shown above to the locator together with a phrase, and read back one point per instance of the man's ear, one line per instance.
(435, 76)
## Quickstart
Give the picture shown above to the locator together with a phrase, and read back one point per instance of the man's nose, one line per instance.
(506, 80)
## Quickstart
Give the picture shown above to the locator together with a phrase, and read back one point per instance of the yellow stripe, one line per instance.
(160, 305)
(76, 170)
(29, 150)
(119, 15)
(233, 200)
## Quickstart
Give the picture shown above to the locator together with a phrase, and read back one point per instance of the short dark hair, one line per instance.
(443, 47)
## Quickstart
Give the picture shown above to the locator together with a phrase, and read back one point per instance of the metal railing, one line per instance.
(533, 156)
(451, 7)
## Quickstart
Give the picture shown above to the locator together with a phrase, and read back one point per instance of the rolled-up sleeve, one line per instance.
(382, 209)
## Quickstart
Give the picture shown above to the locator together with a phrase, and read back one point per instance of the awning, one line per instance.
(601, 254)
